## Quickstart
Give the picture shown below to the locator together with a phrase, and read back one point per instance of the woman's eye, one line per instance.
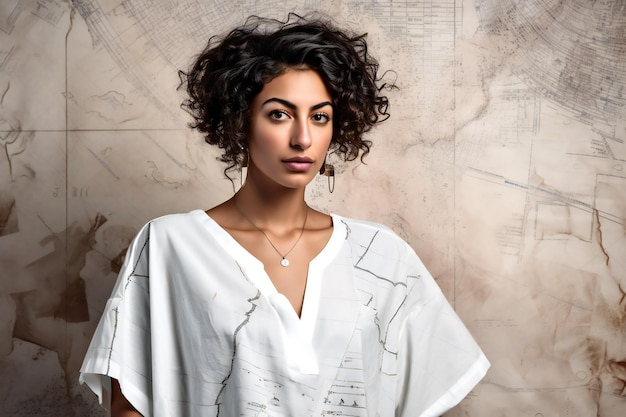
(278, 115)
(321, 118)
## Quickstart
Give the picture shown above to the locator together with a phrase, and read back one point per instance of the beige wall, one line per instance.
(503, 164)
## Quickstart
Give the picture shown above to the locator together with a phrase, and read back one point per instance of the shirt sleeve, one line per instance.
(438, 360)
(120, 347)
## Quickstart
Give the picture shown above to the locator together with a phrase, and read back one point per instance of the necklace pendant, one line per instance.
(284, 262)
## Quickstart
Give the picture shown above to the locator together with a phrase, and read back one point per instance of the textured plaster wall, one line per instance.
(503, 165)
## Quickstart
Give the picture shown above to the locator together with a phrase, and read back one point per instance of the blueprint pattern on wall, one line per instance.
(503, 165)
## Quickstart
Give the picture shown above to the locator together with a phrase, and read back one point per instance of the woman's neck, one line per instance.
(275, 209)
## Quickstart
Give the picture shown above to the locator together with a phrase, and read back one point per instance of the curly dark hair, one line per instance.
(232, 70)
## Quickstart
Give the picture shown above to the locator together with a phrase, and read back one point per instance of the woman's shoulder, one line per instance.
(180, 217)
(175, 223)
(365, 230)
(364, 225)
(381, 252)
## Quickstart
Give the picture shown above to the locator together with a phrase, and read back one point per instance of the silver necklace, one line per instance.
(283, 258)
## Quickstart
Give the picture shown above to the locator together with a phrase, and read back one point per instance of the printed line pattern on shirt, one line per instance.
(248, 314)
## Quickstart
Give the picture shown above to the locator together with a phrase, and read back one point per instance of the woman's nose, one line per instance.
(301, 135)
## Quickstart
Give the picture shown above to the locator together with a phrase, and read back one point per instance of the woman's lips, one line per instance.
(298, 164)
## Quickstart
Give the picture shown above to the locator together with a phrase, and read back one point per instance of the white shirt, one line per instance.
(195, 327)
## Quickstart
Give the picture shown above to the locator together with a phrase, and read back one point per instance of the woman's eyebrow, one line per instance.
(293, 106)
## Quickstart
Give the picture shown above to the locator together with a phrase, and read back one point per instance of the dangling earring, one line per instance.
(329, 171)
(243, 166)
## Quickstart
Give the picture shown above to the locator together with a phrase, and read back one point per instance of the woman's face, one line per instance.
(290, 129)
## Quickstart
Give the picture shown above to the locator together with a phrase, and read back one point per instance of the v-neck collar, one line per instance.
(255, 271)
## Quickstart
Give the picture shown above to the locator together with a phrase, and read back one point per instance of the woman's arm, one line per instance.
(120, 407)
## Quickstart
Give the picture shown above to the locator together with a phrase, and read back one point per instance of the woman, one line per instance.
(263, 305)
